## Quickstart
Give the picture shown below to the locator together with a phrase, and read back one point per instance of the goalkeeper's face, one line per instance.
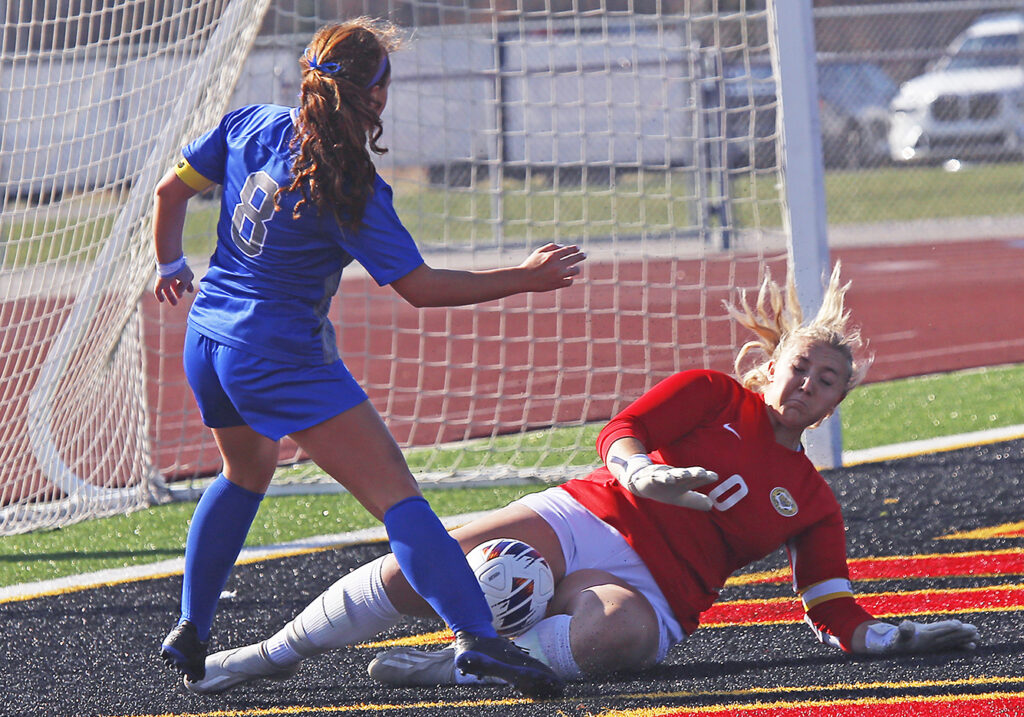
(807, 383)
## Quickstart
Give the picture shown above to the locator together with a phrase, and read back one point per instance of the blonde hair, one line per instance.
(778, 321)
(338, 117)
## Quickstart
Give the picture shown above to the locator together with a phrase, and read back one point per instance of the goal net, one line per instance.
(644, 133)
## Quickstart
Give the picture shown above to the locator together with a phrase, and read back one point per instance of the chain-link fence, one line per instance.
(922, 116)
(921, 105)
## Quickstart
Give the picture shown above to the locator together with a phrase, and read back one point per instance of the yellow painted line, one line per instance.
(1006, 530)
(426, 638)
(84, 586)
(928, 556)
(339, 709)
(766, 576)
(785, 611)
(750, 692)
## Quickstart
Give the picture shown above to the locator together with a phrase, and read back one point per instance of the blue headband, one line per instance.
(331, 68)
(381, 69)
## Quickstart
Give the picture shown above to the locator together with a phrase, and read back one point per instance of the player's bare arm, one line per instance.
(170, 206)
(550, 267)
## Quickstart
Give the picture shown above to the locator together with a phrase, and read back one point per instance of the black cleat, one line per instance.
(183, 651)
(498, 657)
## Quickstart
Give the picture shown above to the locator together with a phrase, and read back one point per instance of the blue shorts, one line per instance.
(237, 388)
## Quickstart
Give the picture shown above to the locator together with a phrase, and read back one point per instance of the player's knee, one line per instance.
(629, 632)
(614, 626)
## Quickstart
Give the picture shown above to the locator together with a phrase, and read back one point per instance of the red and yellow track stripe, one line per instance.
(782, 611)
(777, 611)
(978, 563)
(993, 704)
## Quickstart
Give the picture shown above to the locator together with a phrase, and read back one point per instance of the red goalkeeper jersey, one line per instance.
(767, 496)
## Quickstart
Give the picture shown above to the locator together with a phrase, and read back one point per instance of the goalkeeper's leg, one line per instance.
(608, 626)
(357, 450)
(613, 628)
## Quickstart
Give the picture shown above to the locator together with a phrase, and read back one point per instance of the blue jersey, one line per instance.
(271, 276)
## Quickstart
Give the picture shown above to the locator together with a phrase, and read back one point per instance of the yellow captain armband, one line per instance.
(190, 176)
(826, 590)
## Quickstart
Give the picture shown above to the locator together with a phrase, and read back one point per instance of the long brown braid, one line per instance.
(338, 118)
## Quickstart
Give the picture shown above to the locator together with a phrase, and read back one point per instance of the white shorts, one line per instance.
(589, 542)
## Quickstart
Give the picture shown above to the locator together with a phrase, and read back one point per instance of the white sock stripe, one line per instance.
(377, 599)
(405, 659)
(280, 653)
(354, 609)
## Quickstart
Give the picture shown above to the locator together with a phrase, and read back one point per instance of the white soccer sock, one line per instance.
(548, 641)
(352, 610)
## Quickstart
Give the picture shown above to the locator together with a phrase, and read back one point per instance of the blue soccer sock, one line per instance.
(436, 567)
(220, 523)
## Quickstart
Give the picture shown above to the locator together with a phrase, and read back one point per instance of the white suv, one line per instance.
(971, 104)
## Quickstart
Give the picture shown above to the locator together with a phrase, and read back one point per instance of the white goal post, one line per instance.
(643, 135)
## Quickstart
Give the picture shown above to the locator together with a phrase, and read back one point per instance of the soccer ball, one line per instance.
(516, 581)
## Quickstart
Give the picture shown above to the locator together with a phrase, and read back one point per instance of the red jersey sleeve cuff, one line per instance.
(834, 621)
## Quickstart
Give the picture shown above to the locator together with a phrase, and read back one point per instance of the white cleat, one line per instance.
(410, 667)
(230, 668)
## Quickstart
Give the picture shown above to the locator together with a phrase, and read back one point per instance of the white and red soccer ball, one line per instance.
(516, 581)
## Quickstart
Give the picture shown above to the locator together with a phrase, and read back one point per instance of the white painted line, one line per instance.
(176, 566)
(932, 445)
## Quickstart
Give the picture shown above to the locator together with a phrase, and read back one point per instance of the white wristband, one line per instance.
(632, 464)
(172, 267)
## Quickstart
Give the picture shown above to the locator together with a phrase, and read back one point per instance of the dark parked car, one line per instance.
(854, 110)
(853, 106)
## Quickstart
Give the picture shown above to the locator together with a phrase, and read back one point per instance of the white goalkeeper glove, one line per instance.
(882, 638)
(665, 483)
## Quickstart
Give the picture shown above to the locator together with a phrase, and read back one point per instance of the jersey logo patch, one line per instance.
(783, 502)
(731, 430)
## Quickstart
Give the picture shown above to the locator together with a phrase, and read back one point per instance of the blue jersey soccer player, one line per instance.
(301, 200)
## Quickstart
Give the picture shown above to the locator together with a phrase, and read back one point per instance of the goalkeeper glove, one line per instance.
(665, 483)
(883, 638)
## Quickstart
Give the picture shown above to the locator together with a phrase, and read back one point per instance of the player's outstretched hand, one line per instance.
(911, 636)
(552, 266)
(173, 287)
(670, 485)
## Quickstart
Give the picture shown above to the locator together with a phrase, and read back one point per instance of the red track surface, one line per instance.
(925, 308)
